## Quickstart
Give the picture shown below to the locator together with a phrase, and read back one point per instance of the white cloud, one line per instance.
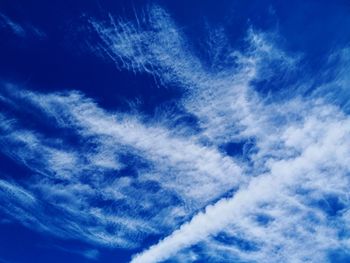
(229, 109)
(70, 178)
(320, 169)
(289, 195)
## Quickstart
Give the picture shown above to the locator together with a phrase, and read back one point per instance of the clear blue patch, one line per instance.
(239, 149)
(234, 148)
(241, 243)
(339, 256)
(263, 219)
(331, 205)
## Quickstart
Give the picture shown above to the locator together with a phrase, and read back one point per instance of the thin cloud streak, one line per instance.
(20, 30)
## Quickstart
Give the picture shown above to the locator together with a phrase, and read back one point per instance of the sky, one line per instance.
(174, 131)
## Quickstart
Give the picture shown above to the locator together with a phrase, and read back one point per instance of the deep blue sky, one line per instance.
(53, 53)
(59, 60)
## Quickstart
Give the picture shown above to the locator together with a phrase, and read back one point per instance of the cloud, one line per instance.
(296, 217)
(91, 254)
(116, 178)
(145, 165)
(229, 108)
(18, 29)
(335, 89)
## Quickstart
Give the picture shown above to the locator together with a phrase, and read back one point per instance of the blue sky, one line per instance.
(174, 131)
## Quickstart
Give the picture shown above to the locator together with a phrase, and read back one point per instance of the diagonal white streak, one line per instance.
(279, 184)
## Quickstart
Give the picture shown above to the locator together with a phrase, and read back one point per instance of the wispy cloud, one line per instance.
(166, 166)
(4, 261)
(116, 178)
(294, 142)
(91, 254)
(18, 29)
(296, 198)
